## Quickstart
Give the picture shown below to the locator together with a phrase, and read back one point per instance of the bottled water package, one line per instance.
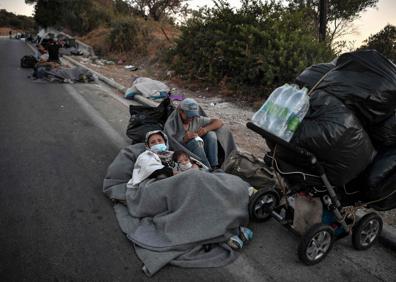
(283, 111)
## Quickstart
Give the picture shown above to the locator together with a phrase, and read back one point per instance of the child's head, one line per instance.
(183, 160)
(181, 157)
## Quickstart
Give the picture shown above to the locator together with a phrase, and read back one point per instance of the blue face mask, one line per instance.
(158, 148)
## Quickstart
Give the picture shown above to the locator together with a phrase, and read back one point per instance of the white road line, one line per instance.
(118, 140)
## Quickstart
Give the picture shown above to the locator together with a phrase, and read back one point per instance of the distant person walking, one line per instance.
(10, 33)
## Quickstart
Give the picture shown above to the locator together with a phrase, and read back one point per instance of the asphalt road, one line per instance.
(56, 142)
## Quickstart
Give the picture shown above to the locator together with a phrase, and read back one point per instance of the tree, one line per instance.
(384, 41)
(254, 48)
(341, 13)
(158, 9)
(16, 21)
(47, 13)
(79, 16)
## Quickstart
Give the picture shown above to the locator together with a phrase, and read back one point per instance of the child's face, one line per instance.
(183, 159)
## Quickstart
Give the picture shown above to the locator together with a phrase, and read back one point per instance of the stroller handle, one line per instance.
(275, 139)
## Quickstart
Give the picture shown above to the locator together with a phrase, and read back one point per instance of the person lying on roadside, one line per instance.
(155, 162)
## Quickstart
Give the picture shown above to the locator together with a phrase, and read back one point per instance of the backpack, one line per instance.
(249, 168)
(145, 118)
(28, 61)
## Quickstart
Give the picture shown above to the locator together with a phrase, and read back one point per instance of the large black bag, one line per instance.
(311, 75)
(335, 136)
(382, 180)
(28, 61)
(366, 82)
(384, 134)
(145, 118)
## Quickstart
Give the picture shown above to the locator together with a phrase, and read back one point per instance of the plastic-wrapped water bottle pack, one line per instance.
(283, 111)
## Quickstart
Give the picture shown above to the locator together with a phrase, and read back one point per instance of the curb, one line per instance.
(112, 83)
(388, 234)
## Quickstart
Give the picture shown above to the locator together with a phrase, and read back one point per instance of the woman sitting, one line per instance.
(155, 162)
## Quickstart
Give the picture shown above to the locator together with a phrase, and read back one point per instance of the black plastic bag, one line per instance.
(366, 82)
(28, 61)
(311, 75)
(384, 134)
(382, 180)
(336, 137)
(145, 118)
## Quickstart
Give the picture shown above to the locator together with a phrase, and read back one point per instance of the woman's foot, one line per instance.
(245, 234)
(235, 242)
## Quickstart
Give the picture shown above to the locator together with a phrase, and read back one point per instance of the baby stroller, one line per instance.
(342, 207)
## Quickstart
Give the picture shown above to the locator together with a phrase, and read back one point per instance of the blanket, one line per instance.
(63, 74)
(174, 130)
(170, 220)
(145, 165)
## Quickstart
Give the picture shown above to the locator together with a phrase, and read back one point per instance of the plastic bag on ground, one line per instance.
(336, 137)
(150, 88)
(283, 111)
(366, 82)
(144, 119)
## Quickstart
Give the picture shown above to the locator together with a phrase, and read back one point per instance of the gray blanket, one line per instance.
(170, 220)
(63, 74)
(174, 129)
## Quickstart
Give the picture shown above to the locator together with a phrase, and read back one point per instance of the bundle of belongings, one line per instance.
(147, 87)
(351, 123)
(145, 118)
(54, 72)
(28, 61)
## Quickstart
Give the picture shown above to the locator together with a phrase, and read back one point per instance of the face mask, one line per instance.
(158, 148)
(185, 166)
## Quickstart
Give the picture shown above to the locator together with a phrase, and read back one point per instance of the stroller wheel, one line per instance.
(366, 231)
(262, 203)
(316, 244)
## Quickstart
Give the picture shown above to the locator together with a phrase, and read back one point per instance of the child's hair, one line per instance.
(178, 154)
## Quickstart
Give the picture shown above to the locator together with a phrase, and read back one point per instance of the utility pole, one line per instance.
(323, 8)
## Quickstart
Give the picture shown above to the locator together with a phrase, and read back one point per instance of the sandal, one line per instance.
(245, 234)
(235, 242)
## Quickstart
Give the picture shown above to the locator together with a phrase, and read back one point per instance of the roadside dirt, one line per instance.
(234, 112)
(4, 31)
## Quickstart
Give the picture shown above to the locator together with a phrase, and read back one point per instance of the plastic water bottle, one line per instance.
(298, 104)
(283, 111)
(262, 117)
(279, 112)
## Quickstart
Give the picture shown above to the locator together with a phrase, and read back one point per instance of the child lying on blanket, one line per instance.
(185, 162)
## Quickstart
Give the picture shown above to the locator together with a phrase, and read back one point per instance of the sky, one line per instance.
(370, 22)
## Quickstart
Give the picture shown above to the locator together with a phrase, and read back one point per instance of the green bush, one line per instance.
(16, 21)
(127, 34)
(258, 47)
